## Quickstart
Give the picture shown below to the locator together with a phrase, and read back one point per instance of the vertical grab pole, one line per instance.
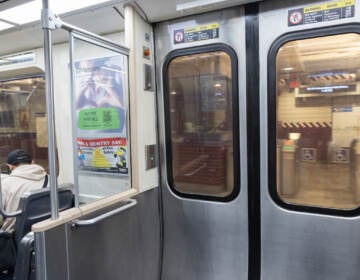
(46, 20)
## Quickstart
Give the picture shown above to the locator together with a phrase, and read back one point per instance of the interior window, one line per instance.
(201, 123)
(23, 123)
(318, 122)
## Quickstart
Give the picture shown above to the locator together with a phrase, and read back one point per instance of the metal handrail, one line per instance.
(90, 222)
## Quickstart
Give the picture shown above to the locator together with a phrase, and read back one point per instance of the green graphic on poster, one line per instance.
(99, 119)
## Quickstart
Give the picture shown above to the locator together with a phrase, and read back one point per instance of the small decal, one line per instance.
(296, 17)
(179, 36)
(342, 155)
(308, 154)
(342, 109)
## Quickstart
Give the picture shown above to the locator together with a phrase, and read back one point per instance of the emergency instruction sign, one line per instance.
(196, 33)
(322, 12)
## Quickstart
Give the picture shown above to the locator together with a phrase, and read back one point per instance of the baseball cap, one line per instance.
(18, 156)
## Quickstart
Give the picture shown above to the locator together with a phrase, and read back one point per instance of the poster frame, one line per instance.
(118, 50)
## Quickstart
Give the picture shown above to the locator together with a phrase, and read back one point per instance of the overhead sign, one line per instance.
(322, 12)
(196, 33)
(342, 109)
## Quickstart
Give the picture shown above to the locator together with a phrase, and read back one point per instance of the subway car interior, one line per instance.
(183, 139)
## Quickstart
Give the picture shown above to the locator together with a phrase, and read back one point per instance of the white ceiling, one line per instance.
(168, 8)
(100, 20)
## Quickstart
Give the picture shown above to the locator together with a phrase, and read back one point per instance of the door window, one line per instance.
(318, 122)
(201, 123)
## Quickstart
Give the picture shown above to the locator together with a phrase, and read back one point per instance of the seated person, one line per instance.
(25, 176)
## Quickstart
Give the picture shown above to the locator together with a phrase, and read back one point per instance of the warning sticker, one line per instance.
(197, 33)
(322, 12)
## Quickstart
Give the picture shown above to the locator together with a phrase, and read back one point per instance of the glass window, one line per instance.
(318, 122)
(201, 123)
(23, 123)
(101, 113)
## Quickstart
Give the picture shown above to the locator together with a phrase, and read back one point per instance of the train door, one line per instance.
(201, 85)
(309, 131)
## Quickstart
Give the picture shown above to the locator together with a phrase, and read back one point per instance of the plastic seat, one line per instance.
(25, 261)
(35, 207)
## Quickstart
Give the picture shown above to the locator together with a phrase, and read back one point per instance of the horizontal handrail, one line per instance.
(90, 222)
(9, 215)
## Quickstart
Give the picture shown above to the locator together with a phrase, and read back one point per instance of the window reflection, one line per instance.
(23, 123)
(201, 123)
(318, 122)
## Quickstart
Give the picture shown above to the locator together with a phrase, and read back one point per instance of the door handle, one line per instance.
(90, 222)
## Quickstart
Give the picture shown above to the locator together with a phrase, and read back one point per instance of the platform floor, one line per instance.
(329, 185)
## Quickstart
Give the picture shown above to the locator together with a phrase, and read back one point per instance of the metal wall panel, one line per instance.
(125, 246)
(51, 254)
(203, 239)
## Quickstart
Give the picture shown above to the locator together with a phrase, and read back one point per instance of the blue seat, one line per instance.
(35, 207)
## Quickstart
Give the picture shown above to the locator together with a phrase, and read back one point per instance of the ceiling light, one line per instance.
(196, 4)
(31, 11)
(4, 25)
(64, 6)
(288, 68)
(23, 13)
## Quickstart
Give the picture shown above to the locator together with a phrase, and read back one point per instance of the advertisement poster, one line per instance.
(100, 104)
(103, 155)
